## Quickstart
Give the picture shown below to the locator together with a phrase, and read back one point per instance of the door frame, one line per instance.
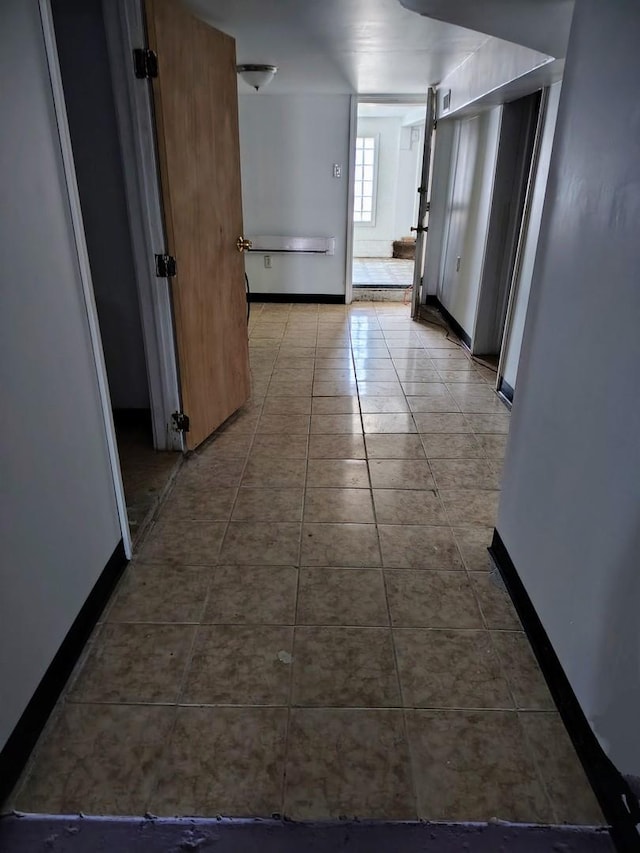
(418, 100)
(46, 17)
(125, 30)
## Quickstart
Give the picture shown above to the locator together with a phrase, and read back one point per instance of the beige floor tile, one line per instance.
(493, 445)
(287, 406)
(338, 505)
(383, 405)
(408, 506)
(341, 597)
(288, 424)
(464, 473)
(186, 542)
(134, 663)
(344, 667)
(273, 472)
(473, 543)
(449, 669)
(346, 446)
(239, 665)
(289, 387)
(400, 474)
(431, 600)
(335, 405)
(348, 763)
(433, 404)
(332, 374)
(340, 545)
(474, 765)
(160, 593)
(571, 795)
(438, 422)
(338, 473)
(451, 446)
(380, 389)
(334, 387)
(418, 547)
(195, 503)
(228, 445)
(394, 446)
(223, 761)
(336, 424)
(527, 683)
(281, 447)
(453, 376)
(255, 543)
(268, 505)
(388, 423)
(255, 595)
(98, 760)
(489, 423)
(206, 471)
(495, 602)
(471, 506)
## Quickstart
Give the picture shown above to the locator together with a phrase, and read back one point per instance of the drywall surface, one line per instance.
(289, 145)
(570, 500)
(494, 68)
(522, 286)
(445, 140)
(468, 212)
(58, 519)
(94, 134)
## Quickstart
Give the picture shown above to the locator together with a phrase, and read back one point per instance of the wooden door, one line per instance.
(196, 106)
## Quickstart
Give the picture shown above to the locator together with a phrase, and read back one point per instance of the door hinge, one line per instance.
(180, 421)
(166, 266)
(145, 63)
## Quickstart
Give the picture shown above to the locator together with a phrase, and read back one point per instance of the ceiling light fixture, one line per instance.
(257, 75)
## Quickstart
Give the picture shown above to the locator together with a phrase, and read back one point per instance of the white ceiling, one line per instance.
(409, 113)
(341, 46)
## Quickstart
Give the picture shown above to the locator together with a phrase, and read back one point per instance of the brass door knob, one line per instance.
(242, 244)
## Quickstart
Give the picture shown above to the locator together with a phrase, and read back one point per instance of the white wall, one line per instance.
(469, 195)
(288, 146)
(96, 149)
(58, 519)
(513, 335)
(570, 507)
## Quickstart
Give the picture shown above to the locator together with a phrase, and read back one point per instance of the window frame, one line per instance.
(374, 197)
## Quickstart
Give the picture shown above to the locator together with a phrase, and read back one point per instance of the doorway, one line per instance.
(389, 144)
(146, 464)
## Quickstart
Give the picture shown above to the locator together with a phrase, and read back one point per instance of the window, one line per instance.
(365, 180)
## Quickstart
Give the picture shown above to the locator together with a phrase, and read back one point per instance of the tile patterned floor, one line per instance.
(311, 627)
(372, 271)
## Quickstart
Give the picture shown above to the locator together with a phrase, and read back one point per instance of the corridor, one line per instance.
(311, 627)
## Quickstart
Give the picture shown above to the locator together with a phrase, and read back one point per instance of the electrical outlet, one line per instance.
(337, 170)
(267, 262)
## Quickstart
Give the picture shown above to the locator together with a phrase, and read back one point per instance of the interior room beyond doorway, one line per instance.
(388, 158)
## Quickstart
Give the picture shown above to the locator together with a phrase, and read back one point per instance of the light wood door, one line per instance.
(196, 106)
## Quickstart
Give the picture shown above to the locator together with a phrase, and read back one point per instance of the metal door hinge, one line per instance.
(166, 266)
(145, 63)
(180, 421)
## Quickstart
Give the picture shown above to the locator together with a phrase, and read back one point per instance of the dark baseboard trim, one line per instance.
(617, 801)
(22, 740)
(505, 391)
(434, 302)
(321, 298)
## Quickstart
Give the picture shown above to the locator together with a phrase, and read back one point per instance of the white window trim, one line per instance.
(376, 160)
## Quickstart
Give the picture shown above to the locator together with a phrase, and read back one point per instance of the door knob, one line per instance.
(242, 244)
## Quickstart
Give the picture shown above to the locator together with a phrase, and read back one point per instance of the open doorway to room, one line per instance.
(388, 160)
(146, 461)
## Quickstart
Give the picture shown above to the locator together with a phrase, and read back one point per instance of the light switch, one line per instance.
(337, 170)
(267, 262)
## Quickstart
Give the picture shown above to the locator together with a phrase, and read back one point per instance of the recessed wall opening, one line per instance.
(388, 159)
